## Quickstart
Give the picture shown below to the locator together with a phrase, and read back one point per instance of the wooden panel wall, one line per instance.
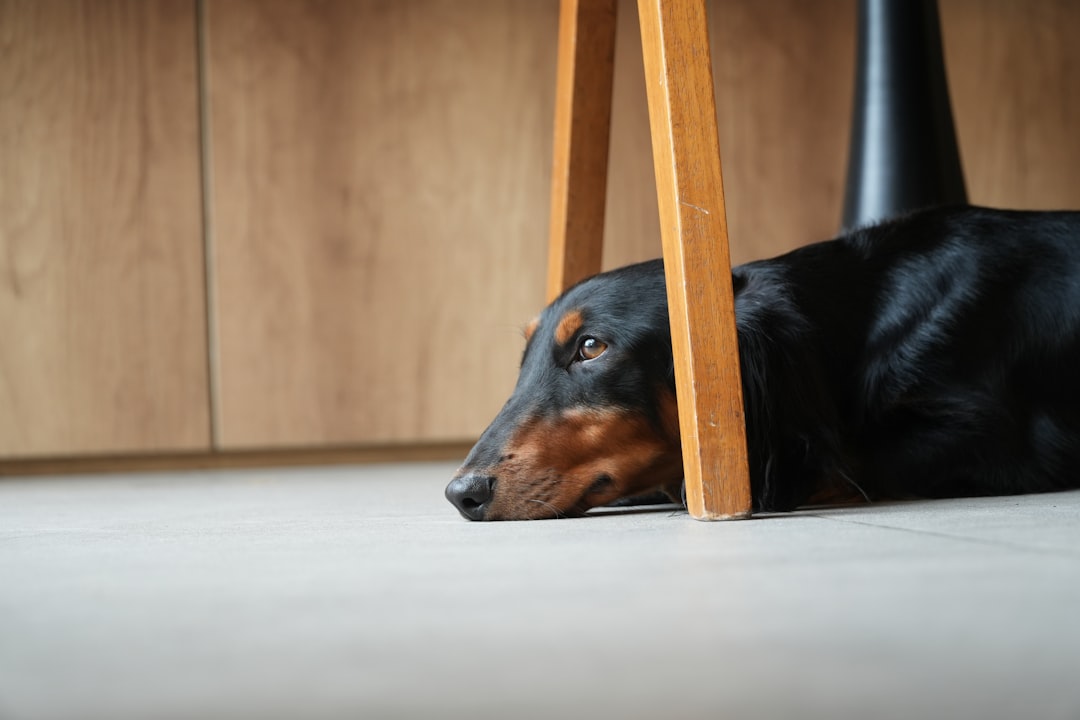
(783, 75)
(101, 284)
(380, 175)
(1014, 72)
(784, 71)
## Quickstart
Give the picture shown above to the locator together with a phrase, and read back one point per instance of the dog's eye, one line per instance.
(590, 348)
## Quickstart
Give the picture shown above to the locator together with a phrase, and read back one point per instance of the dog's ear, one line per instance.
(793, 432)
(668, 362)
(738, 284)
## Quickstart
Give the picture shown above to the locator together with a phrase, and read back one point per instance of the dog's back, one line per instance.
(934, 355)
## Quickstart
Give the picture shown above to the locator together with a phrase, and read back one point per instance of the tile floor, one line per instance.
(358, 592)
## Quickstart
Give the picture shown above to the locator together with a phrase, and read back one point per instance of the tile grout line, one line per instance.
(1057, 552)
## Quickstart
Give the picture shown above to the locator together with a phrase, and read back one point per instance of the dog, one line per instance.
(934, 355)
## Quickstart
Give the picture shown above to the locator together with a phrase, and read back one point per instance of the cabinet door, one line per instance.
(1014, 76)
(102, 318)
(782, 74)
(379, 213)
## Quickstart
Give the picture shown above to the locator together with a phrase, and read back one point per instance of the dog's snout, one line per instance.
(471, 494)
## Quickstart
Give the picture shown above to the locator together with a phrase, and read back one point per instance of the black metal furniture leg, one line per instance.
(903, 153)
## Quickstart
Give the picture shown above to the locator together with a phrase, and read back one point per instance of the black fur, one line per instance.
(934, 355)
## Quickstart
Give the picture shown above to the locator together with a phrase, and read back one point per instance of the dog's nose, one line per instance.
(470, 494)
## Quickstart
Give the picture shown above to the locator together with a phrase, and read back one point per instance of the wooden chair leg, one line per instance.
(586, 64)
(686, 152)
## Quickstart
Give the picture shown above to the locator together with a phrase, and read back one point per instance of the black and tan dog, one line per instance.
(934, 355)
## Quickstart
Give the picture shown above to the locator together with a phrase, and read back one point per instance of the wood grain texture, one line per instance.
(380, 176)
(690, 195)
(784, 78)
(783, 73)
(101, 264)
(586, 66)
(1014, 76)
(632, 222)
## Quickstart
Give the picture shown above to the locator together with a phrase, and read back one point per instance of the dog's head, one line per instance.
(593, 417)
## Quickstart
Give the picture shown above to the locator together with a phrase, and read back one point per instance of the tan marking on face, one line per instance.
(570, 323)
(530, 329)
(550, 465)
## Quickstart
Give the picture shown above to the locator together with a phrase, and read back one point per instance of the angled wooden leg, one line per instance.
(686, 151)
(582, 128)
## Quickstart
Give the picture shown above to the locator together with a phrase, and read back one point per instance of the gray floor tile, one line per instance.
(358, 592)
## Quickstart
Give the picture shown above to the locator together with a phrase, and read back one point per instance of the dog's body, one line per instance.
(934, 355)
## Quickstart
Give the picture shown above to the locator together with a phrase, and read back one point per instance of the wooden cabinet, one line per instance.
(783, 71)
(378, 219)
(376, 198)
(102, 318)
(1014, 73)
